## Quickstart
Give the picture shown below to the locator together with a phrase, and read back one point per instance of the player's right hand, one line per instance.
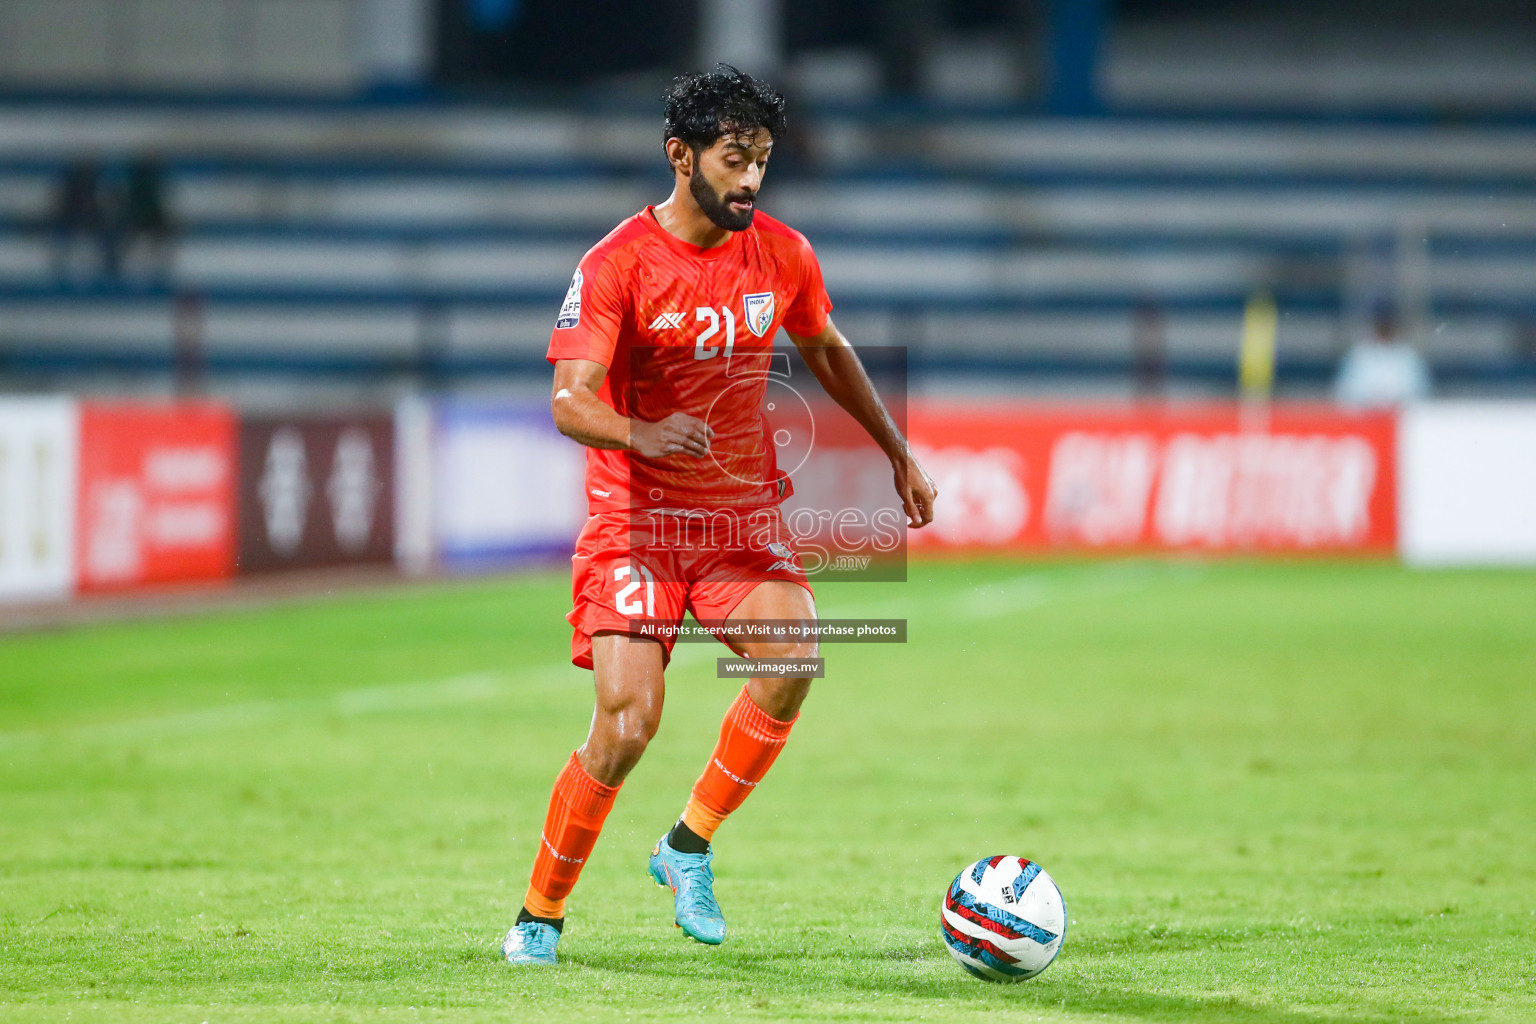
(679, 433)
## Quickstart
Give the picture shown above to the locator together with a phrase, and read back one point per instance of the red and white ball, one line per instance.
(1003, 919)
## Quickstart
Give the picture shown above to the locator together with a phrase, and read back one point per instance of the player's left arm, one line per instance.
(835, 363)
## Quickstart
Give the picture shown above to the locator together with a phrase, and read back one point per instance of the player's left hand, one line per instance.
(917, 492)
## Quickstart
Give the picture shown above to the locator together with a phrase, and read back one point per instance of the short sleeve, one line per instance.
(592, 314)
(807, 314)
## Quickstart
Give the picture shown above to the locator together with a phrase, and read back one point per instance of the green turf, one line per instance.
(1292, 793)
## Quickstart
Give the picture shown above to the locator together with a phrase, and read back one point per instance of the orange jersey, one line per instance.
(685, 329)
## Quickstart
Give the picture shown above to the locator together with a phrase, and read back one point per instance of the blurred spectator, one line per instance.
(81, 245)
(144, 231)
(1381, 370)
(1525, 339)
(1149, 350)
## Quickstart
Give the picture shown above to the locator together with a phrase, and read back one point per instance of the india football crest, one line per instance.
(570, 309)
(759, 310)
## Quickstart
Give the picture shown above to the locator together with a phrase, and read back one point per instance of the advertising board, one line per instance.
(38, 446)
(1207, 478)
(316, 491)
(156, 497)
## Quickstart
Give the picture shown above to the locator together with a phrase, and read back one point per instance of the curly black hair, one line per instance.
(703, 106)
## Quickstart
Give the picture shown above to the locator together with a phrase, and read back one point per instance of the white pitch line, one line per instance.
(368, 700)
(1009, 596)
(1030, 590)
(1034, 590)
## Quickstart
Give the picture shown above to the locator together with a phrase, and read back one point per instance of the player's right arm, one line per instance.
(582, 416)
(582, 348)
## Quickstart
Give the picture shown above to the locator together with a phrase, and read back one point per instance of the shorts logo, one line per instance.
(570, 309)
(759, 310)
(666, 320)
(778, 550)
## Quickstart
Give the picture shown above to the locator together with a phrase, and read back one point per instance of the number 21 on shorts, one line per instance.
(622, 600)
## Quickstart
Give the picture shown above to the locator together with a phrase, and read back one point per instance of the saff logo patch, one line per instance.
(778, 550)
(759, 310)
(570, 309)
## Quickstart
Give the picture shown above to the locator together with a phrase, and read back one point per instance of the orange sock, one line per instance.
(749, 742)
(577, 808)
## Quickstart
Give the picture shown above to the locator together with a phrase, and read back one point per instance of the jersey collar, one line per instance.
(648, 218)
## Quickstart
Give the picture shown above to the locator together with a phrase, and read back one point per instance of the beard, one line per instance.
(717, 207)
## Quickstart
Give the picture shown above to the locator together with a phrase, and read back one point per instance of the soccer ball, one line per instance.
(1003, 919)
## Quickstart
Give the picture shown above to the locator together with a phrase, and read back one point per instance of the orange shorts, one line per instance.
(656, 565)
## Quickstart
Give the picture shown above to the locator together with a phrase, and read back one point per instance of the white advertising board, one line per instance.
(1468, 483)
(507, 487)
(38, 453)
(413, 485)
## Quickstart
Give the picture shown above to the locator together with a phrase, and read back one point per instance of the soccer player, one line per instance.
(675, 309)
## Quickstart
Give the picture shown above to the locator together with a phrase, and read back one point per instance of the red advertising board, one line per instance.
(156, 497)
(1202, 478)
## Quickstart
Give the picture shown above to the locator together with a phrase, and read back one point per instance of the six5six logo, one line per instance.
(665, 321)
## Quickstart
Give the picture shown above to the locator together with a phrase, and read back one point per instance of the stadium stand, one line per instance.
(391, 240)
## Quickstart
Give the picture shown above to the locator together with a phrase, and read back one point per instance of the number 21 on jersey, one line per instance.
(703, 313)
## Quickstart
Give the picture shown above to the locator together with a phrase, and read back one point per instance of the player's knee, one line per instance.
(613, 755)
(632, 734)
(798, 650)
(780, 698)
(620, 735)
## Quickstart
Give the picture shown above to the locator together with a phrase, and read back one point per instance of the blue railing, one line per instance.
(929, 362)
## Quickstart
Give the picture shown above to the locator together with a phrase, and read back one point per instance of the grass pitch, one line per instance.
(1290, 793)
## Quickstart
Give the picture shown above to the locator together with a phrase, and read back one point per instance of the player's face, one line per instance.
(726, 177)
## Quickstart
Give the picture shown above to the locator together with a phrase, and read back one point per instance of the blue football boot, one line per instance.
(693, 885)
(531, 942)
